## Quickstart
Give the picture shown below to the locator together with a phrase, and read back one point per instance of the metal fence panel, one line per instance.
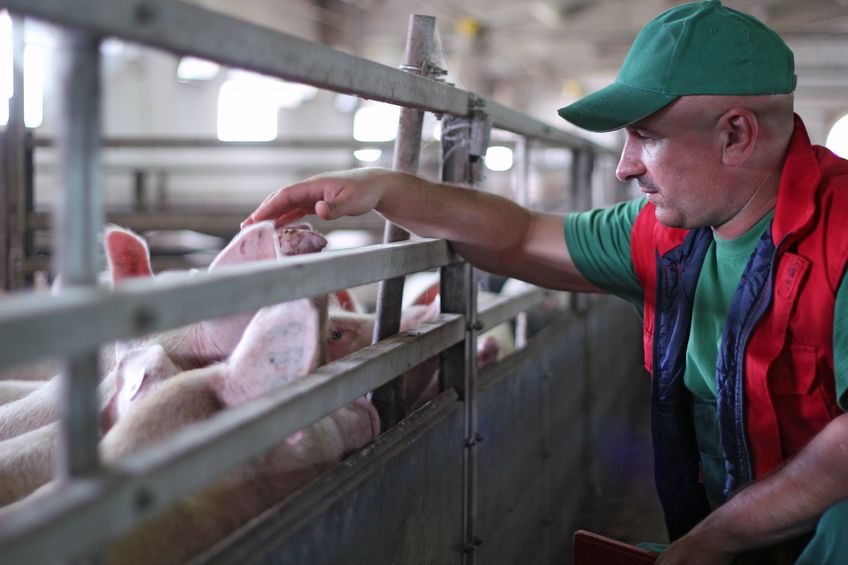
(398, 501)
(33, 326)
(514, 455)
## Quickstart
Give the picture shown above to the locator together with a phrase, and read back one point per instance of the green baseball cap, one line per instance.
(693, 48)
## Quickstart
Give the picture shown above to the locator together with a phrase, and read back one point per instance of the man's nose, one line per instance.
(629, 165)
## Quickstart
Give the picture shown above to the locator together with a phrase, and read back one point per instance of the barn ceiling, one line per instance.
(564, 48)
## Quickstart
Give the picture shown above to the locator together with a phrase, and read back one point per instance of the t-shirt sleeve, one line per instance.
(599, 244)
(840, 343)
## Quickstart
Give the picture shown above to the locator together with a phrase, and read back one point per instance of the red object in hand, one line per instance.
(592, 549)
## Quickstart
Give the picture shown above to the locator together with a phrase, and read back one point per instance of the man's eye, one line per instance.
(335, 334)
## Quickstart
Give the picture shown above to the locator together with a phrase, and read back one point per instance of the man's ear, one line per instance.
(739, 134)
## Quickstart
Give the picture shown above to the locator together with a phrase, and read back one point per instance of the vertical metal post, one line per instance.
(389, 399)
(14, 149)
(522, 184)
(78, 219)
(464, 143)
(29, 205)
(582, 166)
(139, 190)
(162, 190)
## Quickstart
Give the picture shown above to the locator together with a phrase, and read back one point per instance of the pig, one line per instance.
(193, 346)
(27, 462)
(492, 345)
(348, 332)
(280, 345)
(15, 390)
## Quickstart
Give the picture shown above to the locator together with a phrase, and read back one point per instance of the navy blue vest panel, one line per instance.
(752, 298)
(676, 460)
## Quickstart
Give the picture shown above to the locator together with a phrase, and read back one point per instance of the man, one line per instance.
(735, 258)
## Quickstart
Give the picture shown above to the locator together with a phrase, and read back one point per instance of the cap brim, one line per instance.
(614, 107)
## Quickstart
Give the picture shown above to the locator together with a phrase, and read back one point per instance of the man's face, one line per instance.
(675, 156)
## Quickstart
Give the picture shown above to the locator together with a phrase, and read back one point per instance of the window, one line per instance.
(35, 62)
(248, 104)
(837, 139)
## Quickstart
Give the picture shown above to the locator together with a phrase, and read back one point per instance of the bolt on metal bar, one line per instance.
(389, 399)
(78, 222)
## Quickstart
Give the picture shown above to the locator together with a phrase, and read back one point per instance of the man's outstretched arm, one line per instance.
(776, 508)
(491, 232)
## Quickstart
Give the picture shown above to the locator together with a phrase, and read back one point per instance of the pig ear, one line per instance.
(255, 243)
(344, 300)
(281, 345)
(429, 295)
(416, 314)
(127, 254)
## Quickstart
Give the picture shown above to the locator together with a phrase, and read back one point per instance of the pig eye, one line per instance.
(335, 334)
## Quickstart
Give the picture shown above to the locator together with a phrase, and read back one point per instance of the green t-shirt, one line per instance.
(599, 244)
(721, 272)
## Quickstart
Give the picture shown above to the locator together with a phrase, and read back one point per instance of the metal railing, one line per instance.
(74, 324)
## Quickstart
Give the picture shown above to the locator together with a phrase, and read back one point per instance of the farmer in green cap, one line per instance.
(735, 257)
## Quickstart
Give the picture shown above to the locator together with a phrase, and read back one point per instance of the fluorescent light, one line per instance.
(437, 131)
(498, 158)
(35, 58)
(837, 139)
(246, 112)
(5, 58)
(345, 103)
(376, 121)
(248, 104)
(195, 69)
(367, 155)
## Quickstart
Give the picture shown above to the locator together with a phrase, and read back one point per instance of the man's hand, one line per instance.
(330, 196)
(489, 231)
(775, 509)
(696, 548)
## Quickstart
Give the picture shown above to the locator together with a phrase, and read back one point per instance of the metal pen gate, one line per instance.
(449, 516)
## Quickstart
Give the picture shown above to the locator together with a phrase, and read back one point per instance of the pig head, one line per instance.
(211, 340)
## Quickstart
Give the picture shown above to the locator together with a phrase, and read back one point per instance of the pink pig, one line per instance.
(192, 346)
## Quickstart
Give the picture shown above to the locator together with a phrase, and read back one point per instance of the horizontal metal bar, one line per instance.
(210, 143)
(507, 307)
(506, 118)
(35, 326)
(208, 170)
(365, 481)
(187, 29)
(54, 526)
(209, 221)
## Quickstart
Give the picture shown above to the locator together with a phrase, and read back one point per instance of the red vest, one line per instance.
(788, 374)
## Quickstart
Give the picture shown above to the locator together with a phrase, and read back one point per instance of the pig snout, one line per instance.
(300, 239)
(487, 351)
